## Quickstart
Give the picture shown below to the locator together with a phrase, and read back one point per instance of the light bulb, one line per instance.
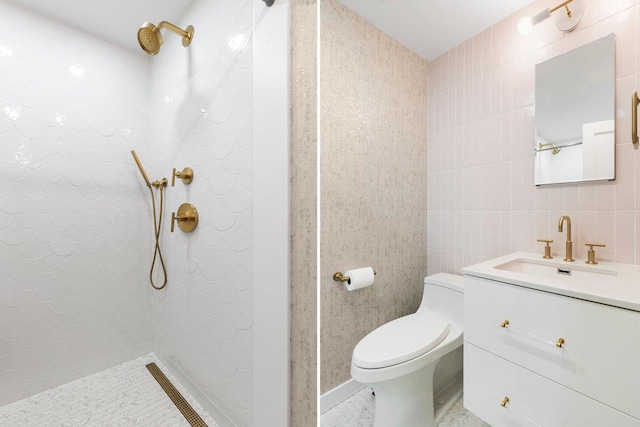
(525, 26)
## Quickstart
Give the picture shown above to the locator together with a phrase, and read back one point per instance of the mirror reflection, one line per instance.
(575, 111)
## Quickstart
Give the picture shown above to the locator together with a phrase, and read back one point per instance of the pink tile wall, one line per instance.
(482, 202)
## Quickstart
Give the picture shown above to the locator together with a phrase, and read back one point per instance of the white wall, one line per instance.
(75, 239)
(75, 216)
(202, 117)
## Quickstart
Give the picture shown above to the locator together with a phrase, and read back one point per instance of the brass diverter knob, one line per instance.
(504, 401)
(186, 176)
(187, 218)
(591, 254)
(547, 248)
(504, 324)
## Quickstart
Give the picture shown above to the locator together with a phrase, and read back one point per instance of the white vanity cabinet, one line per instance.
(561, 361)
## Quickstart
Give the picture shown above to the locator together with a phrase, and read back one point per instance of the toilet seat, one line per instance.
(400, 340)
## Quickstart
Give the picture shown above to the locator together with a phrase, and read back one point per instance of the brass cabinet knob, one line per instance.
(560, 342)
(504, 401)
(187, 218)
(186, 176)
(591, 254)
(547, 248)
(504, 324)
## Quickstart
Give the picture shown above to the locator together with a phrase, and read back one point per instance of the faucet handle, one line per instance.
(547, 248)
(186, 175)
(591, 254)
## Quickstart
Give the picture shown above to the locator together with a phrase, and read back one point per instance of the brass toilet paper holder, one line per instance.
(340, 277)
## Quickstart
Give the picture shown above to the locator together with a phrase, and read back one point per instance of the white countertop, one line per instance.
(620, 289)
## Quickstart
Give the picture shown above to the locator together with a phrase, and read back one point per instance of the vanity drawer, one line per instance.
(601, 353)
(533, 400)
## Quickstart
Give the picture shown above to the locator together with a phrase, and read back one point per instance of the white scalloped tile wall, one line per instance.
(74, 231)
(201, 101)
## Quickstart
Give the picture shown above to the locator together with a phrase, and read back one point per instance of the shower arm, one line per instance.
(177, 30)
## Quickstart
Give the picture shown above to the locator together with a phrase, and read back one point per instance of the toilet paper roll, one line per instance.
(359, 278)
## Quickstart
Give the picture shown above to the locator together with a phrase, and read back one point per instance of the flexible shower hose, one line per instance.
(157, 253)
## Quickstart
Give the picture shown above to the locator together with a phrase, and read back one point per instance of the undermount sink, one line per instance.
(608, 283)
(567, 272)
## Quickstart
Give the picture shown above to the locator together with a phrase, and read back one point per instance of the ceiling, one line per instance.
(114, 20)
(432, 27)
(428, 27)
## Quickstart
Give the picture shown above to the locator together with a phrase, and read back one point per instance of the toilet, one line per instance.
(398, 359)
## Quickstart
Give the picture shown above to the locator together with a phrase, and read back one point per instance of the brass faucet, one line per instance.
(569, 245)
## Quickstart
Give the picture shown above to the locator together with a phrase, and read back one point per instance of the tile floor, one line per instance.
(358, 410)
(125, 395)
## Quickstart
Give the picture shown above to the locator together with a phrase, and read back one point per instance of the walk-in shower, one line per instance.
(76, 231)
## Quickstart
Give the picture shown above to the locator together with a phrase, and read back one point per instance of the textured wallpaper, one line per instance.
(482, 200)
(201, 100)
(373, 181)
(73, 256)
(303, 212)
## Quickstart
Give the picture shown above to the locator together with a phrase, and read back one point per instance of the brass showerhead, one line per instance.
(150, 38)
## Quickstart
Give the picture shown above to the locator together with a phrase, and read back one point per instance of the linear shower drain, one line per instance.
(183, 406)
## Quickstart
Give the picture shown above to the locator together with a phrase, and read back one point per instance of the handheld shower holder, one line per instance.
(160, 184)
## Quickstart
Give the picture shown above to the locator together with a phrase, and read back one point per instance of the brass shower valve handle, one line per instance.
(591, 254)
(187, 218)
(547, 248)
(186, 176)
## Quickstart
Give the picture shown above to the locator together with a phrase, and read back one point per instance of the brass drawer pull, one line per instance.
(514, 330)
(635, 101)
(504, 401)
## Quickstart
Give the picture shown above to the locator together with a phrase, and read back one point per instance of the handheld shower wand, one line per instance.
(157, 220)
(144, 175)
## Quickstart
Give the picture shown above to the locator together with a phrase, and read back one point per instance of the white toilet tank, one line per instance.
(444, 295)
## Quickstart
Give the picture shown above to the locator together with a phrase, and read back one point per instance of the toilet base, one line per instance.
(406, 401)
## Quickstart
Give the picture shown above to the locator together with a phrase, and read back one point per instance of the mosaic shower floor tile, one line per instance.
(358, 411)
(125, 395)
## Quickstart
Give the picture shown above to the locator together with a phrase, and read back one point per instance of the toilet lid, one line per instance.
(400, 340)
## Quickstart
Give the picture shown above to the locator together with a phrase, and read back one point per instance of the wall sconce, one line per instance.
(566, 21)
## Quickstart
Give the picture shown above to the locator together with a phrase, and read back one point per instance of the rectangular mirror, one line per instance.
(575, 115)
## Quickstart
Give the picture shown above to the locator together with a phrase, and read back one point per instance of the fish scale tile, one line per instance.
(65, 118)
(72, 253)
(202, 116)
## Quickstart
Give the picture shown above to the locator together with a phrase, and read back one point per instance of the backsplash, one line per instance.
(73, 286)
(482, 202)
